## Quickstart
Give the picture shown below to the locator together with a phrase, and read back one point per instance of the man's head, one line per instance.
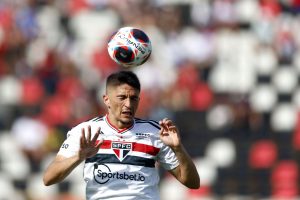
(123, 77)
(122, 98)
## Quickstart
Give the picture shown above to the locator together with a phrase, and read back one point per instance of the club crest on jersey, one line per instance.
(121, 149)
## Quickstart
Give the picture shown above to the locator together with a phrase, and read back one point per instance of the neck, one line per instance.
(118, 124)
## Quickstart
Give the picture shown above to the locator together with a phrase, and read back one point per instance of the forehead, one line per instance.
(123, 89)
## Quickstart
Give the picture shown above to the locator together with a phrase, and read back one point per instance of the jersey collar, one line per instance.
(115, 128)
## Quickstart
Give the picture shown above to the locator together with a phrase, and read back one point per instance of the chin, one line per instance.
(128, 120)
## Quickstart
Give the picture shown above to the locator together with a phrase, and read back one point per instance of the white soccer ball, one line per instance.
(129, 47)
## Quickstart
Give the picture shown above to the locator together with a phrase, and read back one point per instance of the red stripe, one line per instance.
(106, 144)
(144, 148)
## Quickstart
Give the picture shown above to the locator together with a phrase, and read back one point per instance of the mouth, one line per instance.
(127, 113)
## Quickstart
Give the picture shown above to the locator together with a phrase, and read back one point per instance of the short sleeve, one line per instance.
(71, 145)
(167, 158)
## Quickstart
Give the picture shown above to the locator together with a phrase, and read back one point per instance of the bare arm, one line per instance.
(186, 171)
(61, 167)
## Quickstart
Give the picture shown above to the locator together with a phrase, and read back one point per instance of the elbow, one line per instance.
(47, 181)
(195, 184)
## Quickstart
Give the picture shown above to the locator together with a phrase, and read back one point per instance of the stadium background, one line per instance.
(226, 71)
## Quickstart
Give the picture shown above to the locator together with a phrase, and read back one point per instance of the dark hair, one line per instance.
(122, 77)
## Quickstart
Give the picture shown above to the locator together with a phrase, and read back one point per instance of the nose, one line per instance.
(128, 102)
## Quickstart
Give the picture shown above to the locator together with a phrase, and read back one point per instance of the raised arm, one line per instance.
(186, 171)
(61, 166)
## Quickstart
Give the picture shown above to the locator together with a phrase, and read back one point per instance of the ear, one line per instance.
(106, 100)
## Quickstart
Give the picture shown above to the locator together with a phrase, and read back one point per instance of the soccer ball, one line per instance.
(129, 47)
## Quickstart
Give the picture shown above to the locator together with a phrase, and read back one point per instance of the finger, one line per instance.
(168, 122)
(99, 143)
(161, 131)
(82, 139)
(173, 128)
(160, 122)
(163, 121)
(164, 126)
(96, 136)
(84, 136)
(89, 134)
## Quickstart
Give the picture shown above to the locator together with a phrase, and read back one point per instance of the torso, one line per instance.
(124, 167)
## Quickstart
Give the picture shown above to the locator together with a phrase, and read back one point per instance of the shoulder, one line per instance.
(93, 122)
(96, 119)
(147, 123)
(88, 121)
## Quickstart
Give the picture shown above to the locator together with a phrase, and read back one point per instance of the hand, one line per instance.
(89, 147)
(169, 133)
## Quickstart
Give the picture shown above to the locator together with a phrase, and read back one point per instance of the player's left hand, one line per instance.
(169, 133)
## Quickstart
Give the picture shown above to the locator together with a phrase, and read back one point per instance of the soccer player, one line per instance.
(120, 151)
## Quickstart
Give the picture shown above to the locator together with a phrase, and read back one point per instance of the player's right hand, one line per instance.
(89, 146)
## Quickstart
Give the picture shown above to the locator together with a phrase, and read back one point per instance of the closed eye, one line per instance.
(121, 97)
(135, 98)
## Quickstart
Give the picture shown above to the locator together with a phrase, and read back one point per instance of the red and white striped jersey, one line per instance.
(124, 167)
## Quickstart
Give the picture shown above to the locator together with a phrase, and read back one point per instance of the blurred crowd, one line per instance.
(226, 71)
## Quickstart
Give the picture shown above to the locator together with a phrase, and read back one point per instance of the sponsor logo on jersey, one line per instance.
(142, 135)
(121, 149)
(103, 174)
